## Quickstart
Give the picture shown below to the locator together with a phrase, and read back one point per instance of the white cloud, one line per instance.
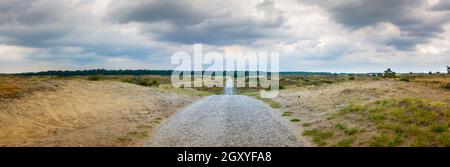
(11, 54)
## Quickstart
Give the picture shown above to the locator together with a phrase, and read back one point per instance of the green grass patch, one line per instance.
(319, 136)
(347, 142)
(186, 91)
(439, 127)
(352, 108)
(347, 130)
(287, 114)
(385, 140)
(250, 93)
(271, 103)
(256, 94)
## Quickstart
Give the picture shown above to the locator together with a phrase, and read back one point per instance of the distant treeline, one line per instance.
(136, 72)
(98, 72)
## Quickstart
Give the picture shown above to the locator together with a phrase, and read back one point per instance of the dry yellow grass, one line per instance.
(14, 86)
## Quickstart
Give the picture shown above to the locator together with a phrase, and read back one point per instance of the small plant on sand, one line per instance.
(295, 120)
(286, 114)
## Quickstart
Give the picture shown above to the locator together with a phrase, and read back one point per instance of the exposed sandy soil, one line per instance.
(86, 113)
(312, 105)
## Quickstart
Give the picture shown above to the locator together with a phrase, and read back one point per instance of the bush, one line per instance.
(141, 81)
(404, 79)
(389, 74)
(438, 127)
(295, 120)
(351, 78)
(94, 78)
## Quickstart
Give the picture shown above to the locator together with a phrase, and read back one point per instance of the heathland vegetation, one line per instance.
(366, 110)
(377, 109)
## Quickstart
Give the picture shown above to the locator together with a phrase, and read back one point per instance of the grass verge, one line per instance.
(268, 101)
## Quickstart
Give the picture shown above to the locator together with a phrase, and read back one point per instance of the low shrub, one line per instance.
(141, 81)
(404, 79)
(94, 78)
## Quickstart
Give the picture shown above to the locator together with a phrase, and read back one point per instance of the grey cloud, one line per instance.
(32, 23)
(194, 23)
(443, 5)
(361, 13)
(52, 24)
(273, 15)
(31, 12)
(31, 36)
(174, 11)
(409, 15)
(216, 32)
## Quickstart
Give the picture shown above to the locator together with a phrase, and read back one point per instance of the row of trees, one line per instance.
(139, 72)
(388, 73)
(99, 72)
(391, 74)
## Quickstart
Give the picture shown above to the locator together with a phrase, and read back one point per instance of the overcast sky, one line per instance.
(330, 35)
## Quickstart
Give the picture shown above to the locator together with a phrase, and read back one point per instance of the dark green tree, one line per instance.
(389, 73)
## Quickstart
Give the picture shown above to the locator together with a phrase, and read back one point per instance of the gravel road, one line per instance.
(225, 120)
(229, 89)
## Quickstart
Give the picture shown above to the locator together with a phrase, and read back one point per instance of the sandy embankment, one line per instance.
(87, 113)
